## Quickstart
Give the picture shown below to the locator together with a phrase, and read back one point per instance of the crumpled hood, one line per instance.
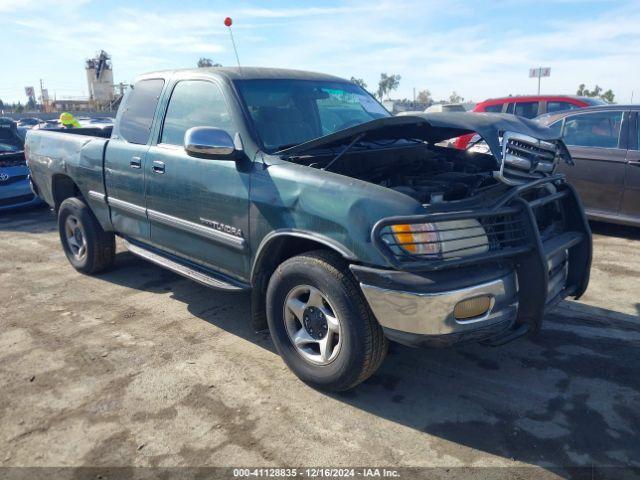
(434, 128)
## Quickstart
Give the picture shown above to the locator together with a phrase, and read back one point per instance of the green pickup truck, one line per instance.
(349, 226)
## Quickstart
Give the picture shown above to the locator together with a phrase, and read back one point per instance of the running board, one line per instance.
(204, 278)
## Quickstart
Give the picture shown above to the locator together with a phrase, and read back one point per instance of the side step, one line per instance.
(205, 278)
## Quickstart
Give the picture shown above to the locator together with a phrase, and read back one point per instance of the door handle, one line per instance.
(634, 163)
(136, 162)
(158, 166)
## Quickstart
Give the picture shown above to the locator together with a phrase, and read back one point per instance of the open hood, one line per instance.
(529, 149)
(433, 128)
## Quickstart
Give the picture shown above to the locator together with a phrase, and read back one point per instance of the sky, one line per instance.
(479, 49)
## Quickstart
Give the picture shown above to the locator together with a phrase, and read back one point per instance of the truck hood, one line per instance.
(434, 128)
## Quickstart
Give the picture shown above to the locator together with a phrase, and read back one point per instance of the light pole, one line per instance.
(539, 72)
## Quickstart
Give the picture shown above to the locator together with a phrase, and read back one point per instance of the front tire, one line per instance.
(320, 322)
(87, 246)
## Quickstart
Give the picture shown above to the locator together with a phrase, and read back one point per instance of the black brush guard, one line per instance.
(515, 235)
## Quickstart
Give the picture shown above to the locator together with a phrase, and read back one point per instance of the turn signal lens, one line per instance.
(441, 240)
(419, 238)
(472, 307)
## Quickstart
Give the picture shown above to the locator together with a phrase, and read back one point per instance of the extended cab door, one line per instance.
(599, 152)
(198, 208)
(631, 197)
(125, 158)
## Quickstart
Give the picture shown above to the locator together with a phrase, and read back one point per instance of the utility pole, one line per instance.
(42, 96)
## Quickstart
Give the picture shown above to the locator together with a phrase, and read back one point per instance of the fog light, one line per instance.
(472, 307)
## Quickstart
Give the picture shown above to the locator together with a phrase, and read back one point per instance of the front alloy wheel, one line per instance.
(312, 325)
(320, 323)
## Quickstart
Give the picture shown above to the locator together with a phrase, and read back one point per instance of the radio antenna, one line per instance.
(228, 22)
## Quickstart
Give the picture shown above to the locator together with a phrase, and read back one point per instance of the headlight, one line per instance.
(440, 240)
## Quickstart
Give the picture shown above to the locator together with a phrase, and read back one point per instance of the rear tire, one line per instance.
(87, 246)
(321, 324)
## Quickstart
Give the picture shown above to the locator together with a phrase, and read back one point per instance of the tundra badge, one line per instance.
(221, 227)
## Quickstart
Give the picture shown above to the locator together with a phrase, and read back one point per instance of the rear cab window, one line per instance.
(139, 110)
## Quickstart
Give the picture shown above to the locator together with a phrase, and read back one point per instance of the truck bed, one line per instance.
(61, 155)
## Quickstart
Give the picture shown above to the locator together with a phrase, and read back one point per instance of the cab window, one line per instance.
(194, 103)
(598, 129)
(556, 128)
(560, 106)
(139, 110)
(494, 108)
(526, 109)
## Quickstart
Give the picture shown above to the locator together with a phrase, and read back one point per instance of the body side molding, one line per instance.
(206, 232)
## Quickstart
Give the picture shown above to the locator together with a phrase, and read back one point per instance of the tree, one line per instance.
(455, 98)
(207, 62)
(359, 82)
(608, 96)
(31, 104)
(424, 96)
(387, 83)
(19, 108)
(583, 91)
(1, 104)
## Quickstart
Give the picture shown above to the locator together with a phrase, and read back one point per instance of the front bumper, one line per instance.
(15, 188)
(416, 305)
(419, 309)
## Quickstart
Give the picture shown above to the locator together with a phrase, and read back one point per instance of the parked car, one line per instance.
(15, 191)
(101, 120)
(529, 106)
(438, 107)
(603, 142)
(29, 122)
(445, 107)
(349, 226)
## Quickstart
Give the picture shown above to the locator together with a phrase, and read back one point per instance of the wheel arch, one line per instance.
(275, 248)
(63, 187)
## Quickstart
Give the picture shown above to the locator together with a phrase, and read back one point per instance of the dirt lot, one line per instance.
(140, 367)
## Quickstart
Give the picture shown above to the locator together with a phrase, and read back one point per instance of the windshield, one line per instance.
(9, 139)
(289, 112)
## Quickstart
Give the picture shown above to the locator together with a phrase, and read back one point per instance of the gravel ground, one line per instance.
(140, 367)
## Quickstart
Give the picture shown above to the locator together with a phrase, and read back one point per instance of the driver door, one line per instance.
(192, 200)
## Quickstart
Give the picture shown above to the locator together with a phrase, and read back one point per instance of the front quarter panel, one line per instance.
(335, 210)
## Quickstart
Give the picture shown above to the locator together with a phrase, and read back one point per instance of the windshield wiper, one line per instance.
(355, 140)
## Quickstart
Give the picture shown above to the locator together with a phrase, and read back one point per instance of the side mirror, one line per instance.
(210, 142)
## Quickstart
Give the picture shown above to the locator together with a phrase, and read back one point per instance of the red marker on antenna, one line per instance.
(228, 22)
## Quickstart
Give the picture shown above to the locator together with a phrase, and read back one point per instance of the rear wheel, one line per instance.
(87, 246)
(321, 324)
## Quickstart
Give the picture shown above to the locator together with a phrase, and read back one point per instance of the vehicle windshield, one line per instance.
(9, 140)
(289, 112)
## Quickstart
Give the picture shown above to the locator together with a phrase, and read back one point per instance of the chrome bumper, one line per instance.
(432, 313)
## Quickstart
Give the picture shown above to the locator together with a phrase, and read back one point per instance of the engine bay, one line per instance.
(428, 174)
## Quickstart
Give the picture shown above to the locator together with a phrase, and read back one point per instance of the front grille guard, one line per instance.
(506, 236)
(533, 259)
(510, 225)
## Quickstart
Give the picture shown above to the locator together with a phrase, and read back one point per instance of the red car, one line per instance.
(529, 106)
